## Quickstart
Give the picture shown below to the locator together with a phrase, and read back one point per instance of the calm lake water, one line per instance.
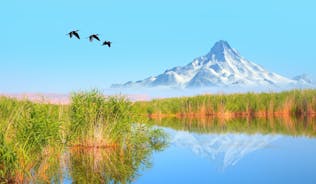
(233, 158)
(285, 155)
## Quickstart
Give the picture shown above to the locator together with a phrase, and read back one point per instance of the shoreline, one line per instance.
(231, 115)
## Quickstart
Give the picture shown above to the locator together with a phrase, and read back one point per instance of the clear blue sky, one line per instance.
(148, 37)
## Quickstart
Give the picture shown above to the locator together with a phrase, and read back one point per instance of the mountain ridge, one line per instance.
(222, 66)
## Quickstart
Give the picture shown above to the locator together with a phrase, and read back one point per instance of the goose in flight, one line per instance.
(108, 43)
(74, 33)
(94, 36)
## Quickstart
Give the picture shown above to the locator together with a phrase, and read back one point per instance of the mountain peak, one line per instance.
(220, 49)
(220, 46)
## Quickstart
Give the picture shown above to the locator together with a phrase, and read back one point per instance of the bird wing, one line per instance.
(70, 34)
(76, 34)
(96, 37)
(90, 38)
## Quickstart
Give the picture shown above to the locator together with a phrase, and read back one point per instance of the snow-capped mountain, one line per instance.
(229, 147)
(222, 66)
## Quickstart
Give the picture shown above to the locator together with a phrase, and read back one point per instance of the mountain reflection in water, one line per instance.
(233, 147)
(239, 150)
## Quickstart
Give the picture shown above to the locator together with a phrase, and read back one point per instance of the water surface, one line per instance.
(208, 151)
(233, 158)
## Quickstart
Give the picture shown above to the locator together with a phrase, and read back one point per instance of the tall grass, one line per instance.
(33, 136)
(99, 120)
(27, 132)
(295, 102)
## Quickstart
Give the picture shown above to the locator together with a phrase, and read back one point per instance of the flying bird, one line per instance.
(94, 36)
(74, 33)
(108, 43)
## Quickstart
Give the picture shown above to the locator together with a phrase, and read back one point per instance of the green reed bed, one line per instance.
(28, 131)
(99, 120)
(295, 102)
(35, 136)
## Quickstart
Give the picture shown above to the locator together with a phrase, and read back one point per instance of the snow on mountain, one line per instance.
(222, 66)
(303, 79)
(229, 147)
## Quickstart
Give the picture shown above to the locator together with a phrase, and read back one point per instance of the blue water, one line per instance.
(233, 158)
